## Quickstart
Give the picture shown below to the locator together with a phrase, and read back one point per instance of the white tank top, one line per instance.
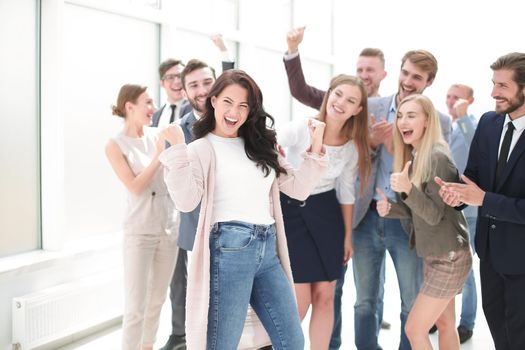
(151, 211)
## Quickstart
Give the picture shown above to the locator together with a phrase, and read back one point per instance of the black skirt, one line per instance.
(315, 234)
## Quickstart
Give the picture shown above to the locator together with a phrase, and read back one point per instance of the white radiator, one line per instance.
(54, 313)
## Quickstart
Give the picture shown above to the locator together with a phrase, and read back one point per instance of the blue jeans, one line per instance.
(335, 341)
(371, 239)
(469, 299)
(245, 270)
(380, 297)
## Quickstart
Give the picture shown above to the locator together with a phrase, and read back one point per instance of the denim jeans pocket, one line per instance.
(231, 238)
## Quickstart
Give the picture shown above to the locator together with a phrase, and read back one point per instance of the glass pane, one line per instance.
(19, 147)
(317, 75)
(317, 17)
(266, 22)
(125, 51)
(148, 3)
(267, 69)
(225, 15)
(201, 47)
(181, 12)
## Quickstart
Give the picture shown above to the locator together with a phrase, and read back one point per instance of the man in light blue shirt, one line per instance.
(459, 98)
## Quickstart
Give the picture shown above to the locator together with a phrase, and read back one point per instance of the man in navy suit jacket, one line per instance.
(497, 187)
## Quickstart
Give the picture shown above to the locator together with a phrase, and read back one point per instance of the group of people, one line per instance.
(273, 217)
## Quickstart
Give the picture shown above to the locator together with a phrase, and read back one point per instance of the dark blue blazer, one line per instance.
(188, 221)
(500, 232)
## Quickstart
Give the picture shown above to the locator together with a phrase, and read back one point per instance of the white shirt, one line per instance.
(166, 113)
(342, 167)
(242, 192)
(519, 125)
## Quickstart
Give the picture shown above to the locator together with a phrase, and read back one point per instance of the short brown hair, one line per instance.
(166, 66)
(127, 93)
(424, 60)
(191, 66)
(373, 52)
(514, 61)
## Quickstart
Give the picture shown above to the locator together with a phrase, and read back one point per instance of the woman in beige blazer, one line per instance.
(438, 232)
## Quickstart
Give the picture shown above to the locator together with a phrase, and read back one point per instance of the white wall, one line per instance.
(465, 36)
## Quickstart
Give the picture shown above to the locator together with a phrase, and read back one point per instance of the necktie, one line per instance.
(504, 152)
(172, 117)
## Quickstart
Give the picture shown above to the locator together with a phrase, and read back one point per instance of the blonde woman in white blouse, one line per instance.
(319, 229)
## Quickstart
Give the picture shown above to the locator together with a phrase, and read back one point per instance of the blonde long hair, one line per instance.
(432, 141)
(356, 127)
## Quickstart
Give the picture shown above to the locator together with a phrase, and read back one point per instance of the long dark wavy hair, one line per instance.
(257, 131)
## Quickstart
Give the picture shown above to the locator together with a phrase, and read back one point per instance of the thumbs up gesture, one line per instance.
(400, 181)
(383, 206)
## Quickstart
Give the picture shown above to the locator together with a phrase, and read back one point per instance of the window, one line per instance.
(102, 52)
(19, 135)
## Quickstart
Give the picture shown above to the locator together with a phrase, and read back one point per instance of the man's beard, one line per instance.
(515, 103)
(196, 106)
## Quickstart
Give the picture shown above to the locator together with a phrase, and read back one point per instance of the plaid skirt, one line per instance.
(445, 275)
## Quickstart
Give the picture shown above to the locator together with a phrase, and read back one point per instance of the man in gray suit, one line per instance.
(372, 235)
(197, 79)
(459, 98)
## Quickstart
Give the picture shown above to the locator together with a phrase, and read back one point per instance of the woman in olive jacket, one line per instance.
(438, 232)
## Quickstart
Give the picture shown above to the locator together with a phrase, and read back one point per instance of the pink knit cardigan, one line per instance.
(190, 177)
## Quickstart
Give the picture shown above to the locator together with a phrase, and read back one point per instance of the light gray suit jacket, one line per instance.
(460, 140)
(379, 107)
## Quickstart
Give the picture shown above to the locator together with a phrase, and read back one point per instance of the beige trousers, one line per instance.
(149, 261)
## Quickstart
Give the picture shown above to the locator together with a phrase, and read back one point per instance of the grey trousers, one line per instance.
(178, 285)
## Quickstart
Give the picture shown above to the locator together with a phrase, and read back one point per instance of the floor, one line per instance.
(389, 339)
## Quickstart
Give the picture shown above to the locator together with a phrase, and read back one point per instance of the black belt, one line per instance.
(295, 202)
